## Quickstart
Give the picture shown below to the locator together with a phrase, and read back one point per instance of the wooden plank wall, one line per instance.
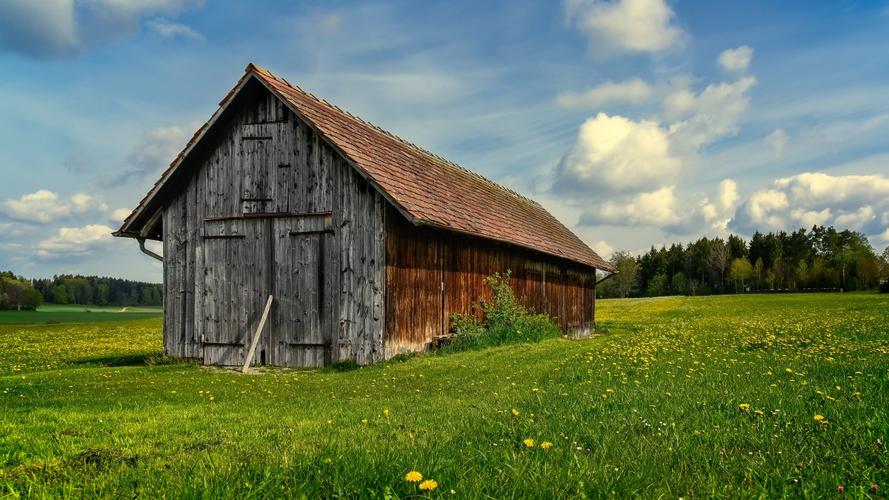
(422, 260)
(292, 171)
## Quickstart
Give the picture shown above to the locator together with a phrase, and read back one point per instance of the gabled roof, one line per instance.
(426, 188)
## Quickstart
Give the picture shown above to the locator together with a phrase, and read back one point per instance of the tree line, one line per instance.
(17, 292)
(820, 258)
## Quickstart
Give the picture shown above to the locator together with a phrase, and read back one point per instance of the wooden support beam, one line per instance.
(149, 226)
(255, 342)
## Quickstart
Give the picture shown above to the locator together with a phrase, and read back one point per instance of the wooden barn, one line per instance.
(366, 243)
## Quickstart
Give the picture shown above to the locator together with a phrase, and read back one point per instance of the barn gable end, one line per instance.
(270, 209)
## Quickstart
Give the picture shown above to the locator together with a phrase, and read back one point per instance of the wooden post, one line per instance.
(255, 342)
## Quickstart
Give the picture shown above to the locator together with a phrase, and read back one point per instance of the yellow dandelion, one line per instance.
(528, 442)
(819, 418)
(546, 445)
(515, 413)
(413, 477)
(364, 421)
(386, 412)
(759, 412)
(788, 370)
(428, 485)
(744, 406)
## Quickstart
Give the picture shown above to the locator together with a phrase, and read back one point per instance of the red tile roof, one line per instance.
(425, 187)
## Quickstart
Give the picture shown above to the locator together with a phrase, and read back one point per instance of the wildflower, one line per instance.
(841, 488)
(528, 442)
(364, 421)
(788, 370)
(744, 406)
(819, 418)
(428, 485)
(386, 412)
(759, 412)
(546, 445)
(413, 477)
(515, 413)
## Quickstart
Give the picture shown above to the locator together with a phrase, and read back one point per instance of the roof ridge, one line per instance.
(400, 139)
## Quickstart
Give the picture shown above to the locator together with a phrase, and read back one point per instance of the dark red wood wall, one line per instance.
(432, 274)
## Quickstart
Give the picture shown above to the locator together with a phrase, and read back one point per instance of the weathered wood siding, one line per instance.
(270, 208)
(432, 274)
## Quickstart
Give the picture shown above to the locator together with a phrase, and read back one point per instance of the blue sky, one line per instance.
(636, 122)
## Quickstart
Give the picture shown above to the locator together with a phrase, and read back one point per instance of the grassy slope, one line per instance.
(651, 409)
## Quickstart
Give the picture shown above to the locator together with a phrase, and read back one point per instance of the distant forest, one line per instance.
(821, 258)
(17, 292)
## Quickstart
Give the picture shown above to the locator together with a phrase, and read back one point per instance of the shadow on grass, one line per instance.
(140, 359)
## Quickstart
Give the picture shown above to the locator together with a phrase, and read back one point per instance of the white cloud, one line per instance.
(47, 29)
(613, 28)
(602, 248)
(632, 91)
(736, 60)
(809, 218)
(766, 208)
(710, 115)
(44, 206)
(75, 241)
(719, 213)
(846, 191)
(119, 214)
(657, 207)
(777, 140)
(619, 154)
(855, 219)
(169, 29)
(859, 202)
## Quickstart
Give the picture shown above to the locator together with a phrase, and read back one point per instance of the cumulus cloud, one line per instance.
(602, 248)
(859, 202)
(619, 154)
(74, 241)
(634, 166)
(119, 214)
(633, 91)
(625, 26)
(657, 207)
(169, 29)
(155, 151)
(712, 114)
(736, 60)
(49, 29)
(45, 206)
(718, 213)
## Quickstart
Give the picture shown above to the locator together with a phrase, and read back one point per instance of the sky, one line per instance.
(635, 122)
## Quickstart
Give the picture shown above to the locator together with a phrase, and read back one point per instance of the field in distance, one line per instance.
(731, 396)
(57, 313)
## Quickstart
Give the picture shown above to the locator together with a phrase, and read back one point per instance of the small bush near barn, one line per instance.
(505, 321)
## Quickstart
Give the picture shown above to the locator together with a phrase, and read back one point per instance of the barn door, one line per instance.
(302, 316)
(237, 283)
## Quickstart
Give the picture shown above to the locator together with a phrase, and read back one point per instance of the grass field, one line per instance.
(54, 314)
(683, 397)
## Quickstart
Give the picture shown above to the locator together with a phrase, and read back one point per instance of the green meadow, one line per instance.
(731, 396)
(55, 314)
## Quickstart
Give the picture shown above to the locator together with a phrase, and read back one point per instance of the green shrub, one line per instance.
(505, 321)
